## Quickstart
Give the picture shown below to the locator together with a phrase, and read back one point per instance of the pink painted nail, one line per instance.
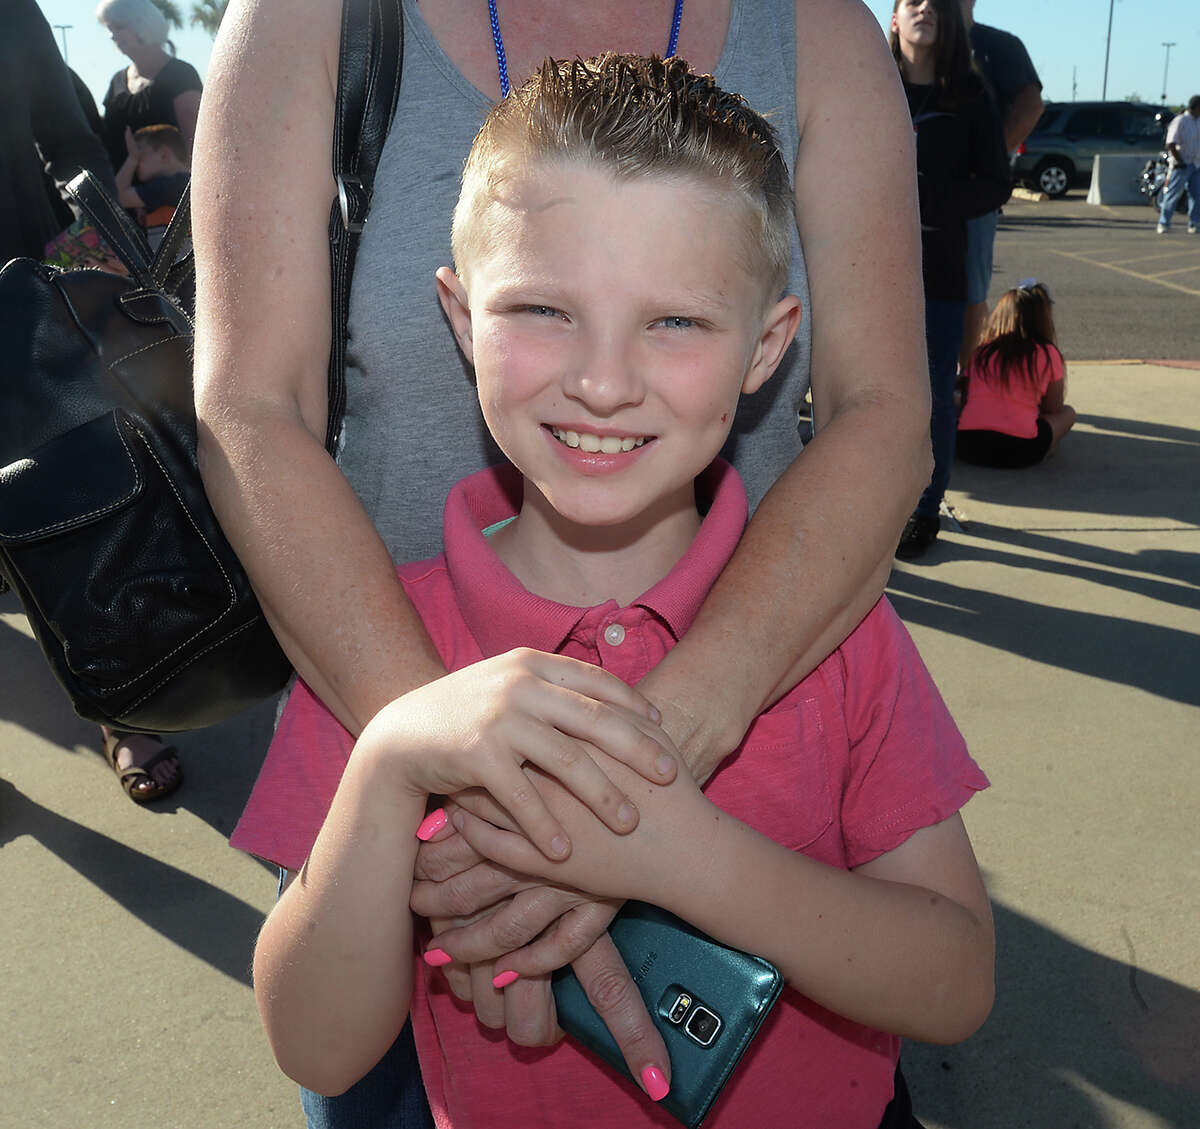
(431, 825)
(435, 958)
(505, 979)
(655, 1083)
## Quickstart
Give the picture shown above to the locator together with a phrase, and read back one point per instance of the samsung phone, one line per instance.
(707, 999)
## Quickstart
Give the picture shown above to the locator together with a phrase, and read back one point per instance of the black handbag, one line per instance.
(106, 535)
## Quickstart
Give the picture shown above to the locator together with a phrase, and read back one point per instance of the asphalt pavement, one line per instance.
(1061, 618)
(1121, 291)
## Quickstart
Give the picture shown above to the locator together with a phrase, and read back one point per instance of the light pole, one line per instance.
(1166, 64)
(1107, 44)
(63, 28)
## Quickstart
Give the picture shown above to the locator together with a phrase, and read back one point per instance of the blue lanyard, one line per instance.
(502, 58)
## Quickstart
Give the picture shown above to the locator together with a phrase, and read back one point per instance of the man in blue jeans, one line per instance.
(1017, 91)
(1183, 145)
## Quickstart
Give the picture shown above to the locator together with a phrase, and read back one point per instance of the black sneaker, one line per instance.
(920, 532)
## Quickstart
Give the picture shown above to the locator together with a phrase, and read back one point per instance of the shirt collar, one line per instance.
(502, 614)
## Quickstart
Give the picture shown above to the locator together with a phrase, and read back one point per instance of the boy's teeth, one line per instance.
(596, 444)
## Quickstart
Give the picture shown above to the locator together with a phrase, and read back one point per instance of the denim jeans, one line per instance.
(1181, 179)
(943, 339)
(981, 234)
(390, 1096)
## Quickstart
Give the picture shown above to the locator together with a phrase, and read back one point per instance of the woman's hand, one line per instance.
(478, 726)
(538, 929)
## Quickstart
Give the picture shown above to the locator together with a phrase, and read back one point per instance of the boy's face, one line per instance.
(612, 326)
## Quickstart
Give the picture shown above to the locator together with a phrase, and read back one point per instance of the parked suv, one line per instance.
(1058, 154)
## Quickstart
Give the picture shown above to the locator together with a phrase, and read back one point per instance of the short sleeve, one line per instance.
(1053, 366)
(297, 782)
(909, 766)
(178, 77)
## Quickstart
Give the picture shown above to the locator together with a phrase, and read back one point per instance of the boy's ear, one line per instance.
(453, 297)
(779, 327)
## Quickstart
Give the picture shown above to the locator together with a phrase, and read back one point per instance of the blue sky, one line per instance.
(1065, 38)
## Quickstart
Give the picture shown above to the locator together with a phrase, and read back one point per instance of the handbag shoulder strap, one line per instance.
(369, 66)
(111, 220)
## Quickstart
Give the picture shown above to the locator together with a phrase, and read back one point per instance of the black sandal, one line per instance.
(131, 776)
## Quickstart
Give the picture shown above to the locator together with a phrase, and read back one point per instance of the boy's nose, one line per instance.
(604, 379)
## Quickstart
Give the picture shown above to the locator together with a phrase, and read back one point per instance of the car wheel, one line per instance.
(1053, 176)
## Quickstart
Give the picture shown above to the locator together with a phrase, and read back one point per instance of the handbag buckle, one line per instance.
(354, 202)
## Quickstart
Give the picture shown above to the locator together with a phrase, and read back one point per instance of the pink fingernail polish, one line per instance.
(655, 1083)
(505, 979)
(431, 825)
(435, 958)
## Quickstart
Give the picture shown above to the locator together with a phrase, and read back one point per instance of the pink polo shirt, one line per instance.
(847, 766)
(1011, 408)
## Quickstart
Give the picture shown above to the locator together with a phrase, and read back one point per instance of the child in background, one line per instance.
(153, 177)
(620, 243)
(1014, 414)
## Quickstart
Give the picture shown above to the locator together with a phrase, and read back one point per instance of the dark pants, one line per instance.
(994, 448)
(899, 1113)
(943, 339)
(390, 1095)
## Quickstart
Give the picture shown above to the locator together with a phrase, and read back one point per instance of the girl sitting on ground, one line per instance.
(1014, 414)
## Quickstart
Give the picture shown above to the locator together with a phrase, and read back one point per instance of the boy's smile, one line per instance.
(612, 326)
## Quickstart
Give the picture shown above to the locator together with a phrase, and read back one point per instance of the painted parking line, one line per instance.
(1155, 280)
(1177, 270)
(1163, 253)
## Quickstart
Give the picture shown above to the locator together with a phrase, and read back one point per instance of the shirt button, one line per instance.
(614, 635)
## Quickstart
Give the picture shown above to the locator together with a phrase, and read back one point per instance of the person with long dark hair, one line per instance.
(1014, 413)
(962, 171)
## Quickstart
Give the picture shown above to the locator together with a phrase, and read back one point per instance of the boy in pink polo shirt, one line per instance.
(620, 243)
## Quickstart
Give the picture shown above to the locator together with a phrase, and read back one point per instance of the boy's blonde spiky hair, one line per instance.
(634, 116)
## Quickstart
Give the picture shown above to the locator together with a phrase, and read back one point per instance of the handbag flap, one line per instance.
(74, 479)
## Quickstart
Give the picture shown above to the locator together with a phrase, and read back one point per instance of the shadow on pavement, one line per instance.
(1137, 221)
(1159, 660)
(1144, 471)
(1066, 1021)
(200, 918)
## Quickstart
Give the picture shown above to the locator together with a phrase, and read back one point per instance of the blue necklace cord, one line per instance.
(502, 58)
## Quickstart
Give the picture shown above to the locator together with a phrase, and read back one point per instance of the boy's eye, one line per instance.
(544, 311)
(676, 322)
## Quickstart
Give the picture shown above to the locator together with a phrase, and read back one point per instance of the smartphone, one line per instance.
(707, 999)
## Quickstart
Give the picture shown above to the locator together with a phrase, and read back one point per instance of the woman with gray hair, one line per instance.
(156, 88)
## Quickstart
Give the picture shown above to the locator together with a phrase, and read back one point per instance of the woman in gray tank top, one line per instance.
(318, 541)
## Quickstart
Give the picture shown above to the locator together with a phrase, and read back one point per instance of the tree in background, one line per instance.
(205, 13)
(171, 10)
(208, 14)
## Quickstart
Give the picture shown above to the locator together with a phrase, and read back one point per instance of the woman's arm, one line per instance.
(323, 575)
(187, 110)
(821, 543)
(1055, 397)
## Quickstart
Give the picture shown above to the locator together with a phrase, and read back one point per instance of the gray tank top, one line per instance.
(413, 426)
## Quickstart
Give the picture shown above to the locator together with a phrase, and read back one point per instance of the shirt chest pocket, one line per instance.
(780, 780)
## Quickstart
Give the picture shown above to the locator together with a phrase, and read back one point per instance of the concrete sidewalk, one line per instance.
(1063, 625)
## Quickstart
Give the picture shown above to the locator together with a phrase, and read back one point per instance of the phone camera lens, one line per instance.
(703, 1025)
